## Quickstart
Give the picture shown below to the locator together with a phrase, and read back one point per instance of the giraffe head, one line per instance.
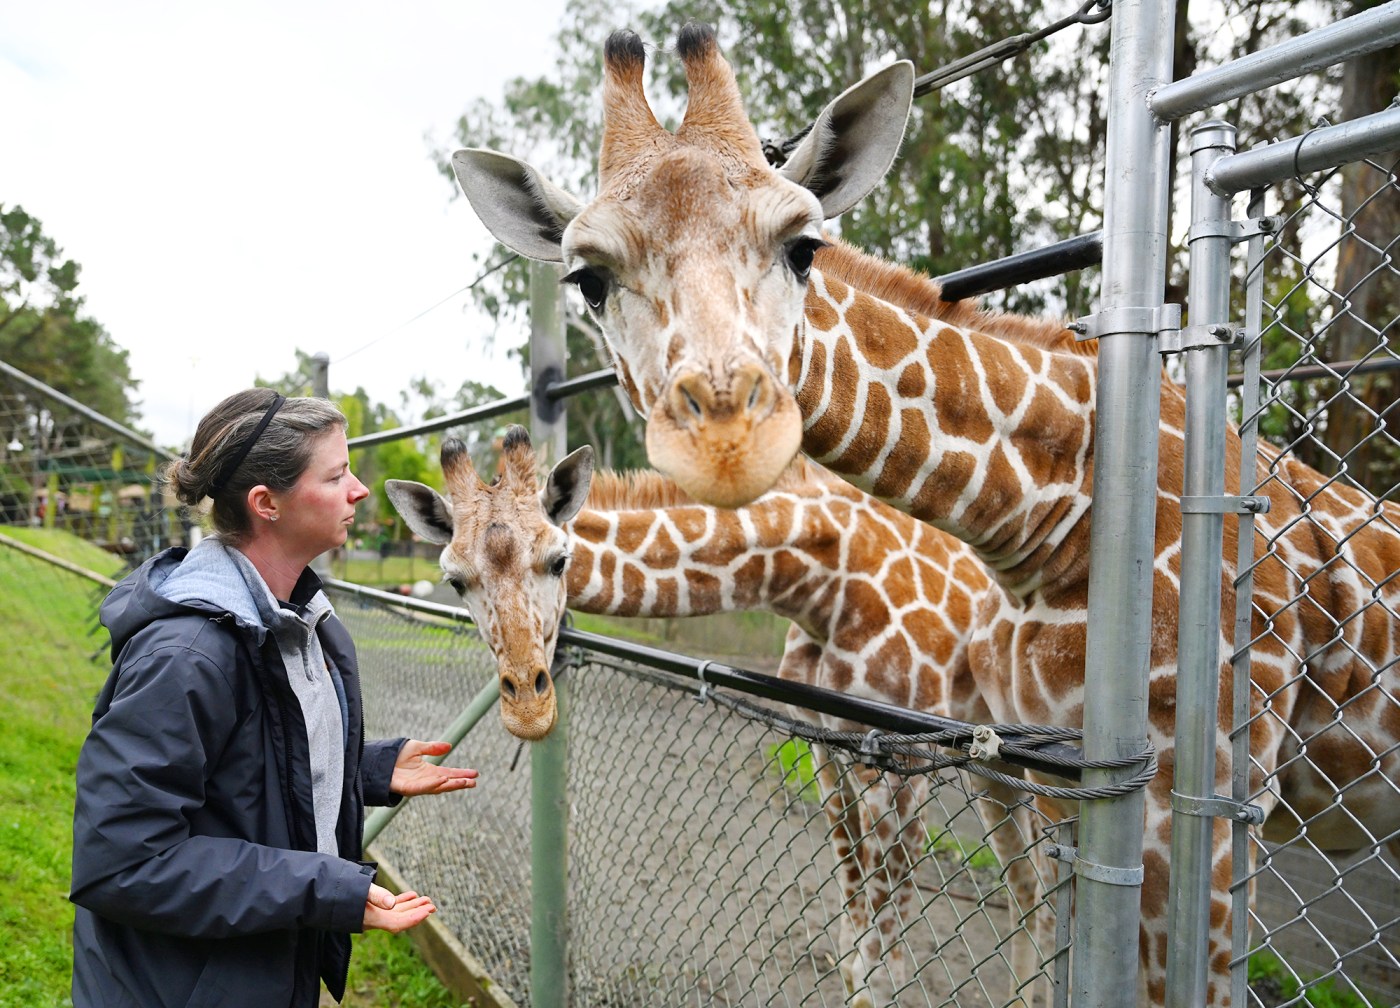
(694, 256)
(505, 554)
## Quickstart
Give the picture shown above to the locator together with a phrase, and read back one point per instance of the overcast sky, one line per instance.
(241, 180)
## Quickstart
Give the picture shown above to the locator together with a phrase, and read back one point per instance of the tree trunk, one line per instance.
(1364, 427)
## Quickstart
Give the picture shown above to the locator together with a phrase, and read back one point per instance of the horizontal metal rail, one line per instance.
(1338, 371)
(583, 383)
(87, 412)
(1344, 40)
(1316, 150)
(1023, 267)
(474, 414)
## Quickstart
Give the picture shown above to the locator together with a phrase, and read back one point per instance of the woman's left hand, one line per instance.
(413, 775)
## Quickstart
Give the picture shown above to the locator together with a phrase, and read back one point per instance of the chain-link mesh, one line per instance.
(64, 468)
(1326, 920)
(713, 859)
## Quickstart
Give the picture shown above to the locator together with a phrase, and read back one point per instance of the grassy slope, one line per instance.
(48, 681)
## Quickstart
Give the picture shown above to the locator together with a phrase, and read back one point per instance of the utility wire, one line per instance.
(431, 308)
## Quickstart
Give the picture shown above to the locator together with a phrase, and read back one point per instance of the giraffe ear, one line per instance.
(855, 139)
(423, 508)
(525, 211)
(566, 489)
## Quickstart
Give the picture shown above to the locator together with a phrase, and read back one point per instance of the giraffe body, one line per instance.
(717, 309)
(881, 605)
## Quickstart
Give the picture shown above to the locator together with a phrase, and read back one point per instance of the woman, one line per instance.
(221, 792)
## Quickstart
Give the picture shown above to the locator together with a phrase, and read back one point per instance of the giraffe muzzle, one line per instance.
(724, 440)
(528, 706)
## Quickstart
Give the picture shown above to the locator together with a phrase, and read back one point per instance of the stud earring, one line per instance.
(272, 517)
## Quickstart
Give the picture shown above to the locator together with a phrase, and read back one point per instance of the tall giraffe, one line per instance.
(732, 320)
(882, 607)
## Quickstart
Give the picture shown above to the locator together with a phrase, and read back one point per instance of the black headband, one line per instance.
(226, 473)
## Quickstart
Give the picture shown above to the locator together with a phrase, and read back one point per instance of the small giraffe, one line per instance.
(740, 331)
(509, 584)
(882, 607)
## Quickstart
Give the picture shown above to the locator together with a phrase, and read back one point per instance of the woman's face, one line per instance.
(315, 515)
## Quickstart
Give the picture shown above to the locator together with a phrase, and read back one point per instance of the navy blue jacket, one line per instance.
(195, 870)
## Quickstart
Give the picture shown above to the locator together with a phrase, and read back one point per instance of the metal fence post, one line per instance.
(1206, 345)
(320, 375)
(1108, 866)
(549, 823)
(547, 349)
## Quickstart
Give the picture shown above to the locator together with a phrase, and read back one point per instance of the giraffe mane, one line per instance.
(647, 489)
(917, 293)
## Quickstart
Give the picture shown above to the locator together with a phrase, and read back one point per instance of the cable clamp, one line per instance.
(870, 747)
(986, 743)
(703, 695)
(1218, 807)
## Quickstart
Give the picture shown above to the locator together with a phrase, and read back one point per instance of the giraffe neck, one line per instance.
(783, 553)
(984, 436)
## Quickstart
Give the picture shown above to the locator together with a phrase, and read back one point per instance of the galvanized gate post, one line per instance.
(1108, 867)
(549, 825)
(1206, 344)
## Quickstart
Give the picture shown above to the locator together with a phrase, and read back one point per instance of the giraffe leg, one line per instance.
(1010, 824)
(894, 835)
(848, 844)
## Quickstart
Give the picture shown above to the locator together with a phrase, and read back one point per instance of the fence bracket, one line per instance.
(1213, 334)
(1235, 230)
(1161, 319)
(1106, 874)
(1218, 807)
(1225, 505)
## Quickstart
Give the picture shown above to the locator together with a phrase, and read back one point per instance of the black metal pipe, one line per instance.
(1339, 371)
(1023, 267)
(871, 713)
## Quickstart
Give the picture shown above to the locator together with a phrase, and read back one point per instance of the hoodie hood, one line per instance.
(216, 580)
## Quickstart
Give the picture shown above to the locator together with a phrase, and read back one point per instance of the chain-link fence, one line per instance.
(1324, 293)
(64, 467)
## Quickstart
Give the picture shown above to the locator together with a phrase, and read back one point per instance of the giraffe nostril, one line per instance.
(541, 683)
(508, 687)
(692, 403)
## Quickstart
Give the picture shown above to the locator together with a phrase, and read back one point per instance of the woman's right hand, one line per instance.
(388, 912)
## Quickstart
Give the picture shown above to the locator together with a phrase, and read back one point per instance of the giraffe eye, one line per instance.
(799, 254)
(558, 564)
(592, 284)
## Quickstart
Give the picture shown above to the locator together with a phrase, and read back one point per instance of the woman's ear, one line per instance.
(261, 503)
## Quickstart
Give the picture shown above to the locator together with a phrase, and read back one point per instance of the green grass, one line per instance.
(53, 663)
(793, 762)
(1275, 983)
(391, 571)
